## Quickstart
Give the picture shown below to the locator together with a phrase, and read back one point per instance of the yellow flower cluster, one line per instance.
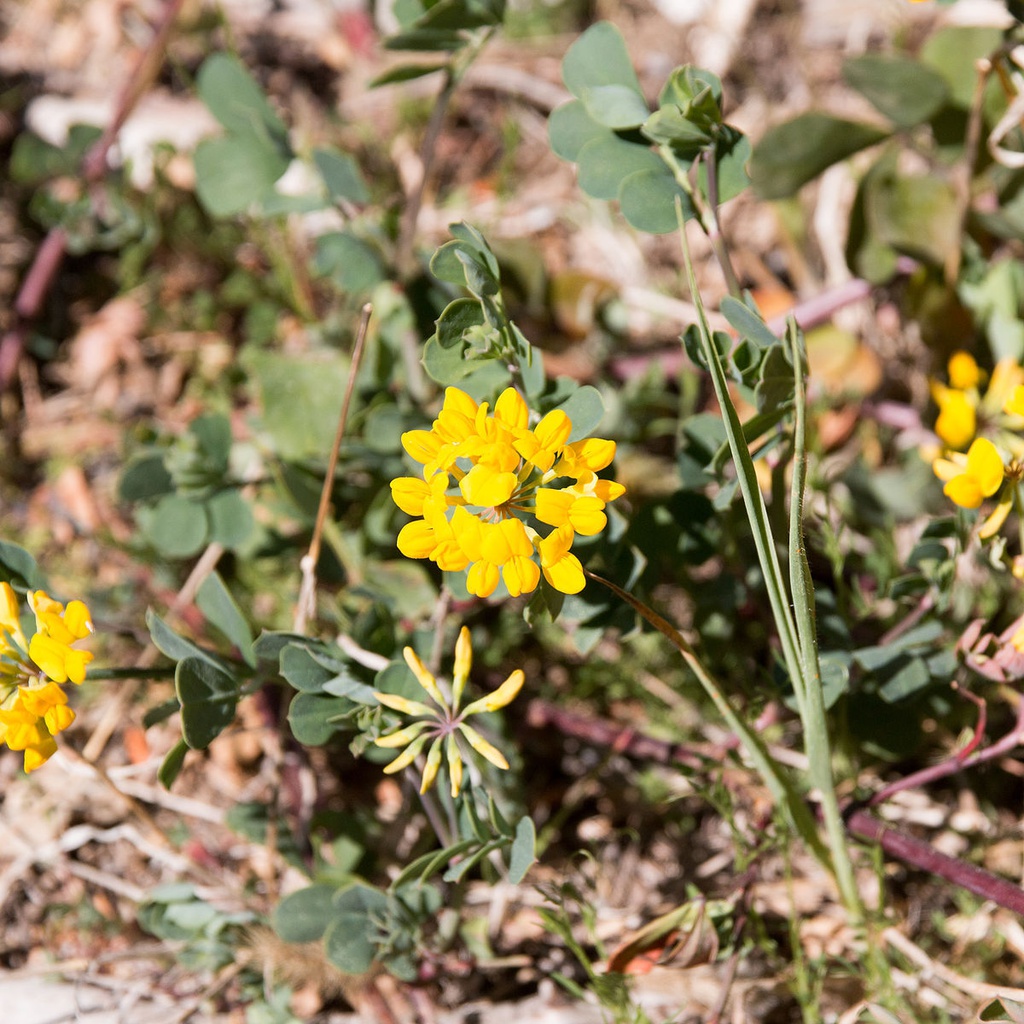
(487, 479)
(985, 470)
(33, 706)
(445, 721)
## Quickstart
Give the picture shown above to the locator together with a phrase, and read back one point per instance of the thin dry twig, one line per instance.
(307, 592)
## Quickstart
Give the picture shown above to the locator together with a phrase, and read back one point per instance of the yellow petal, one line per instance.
(946, 469)
(58, 718)
(430, 768)
(74, 665)
(454, 765)
(463, 665)
(553, 506)
(501, 697)
(985, 465)
(401, 738)
(587, 516)
(487, 487)
(77, 619)
(566, 575)
(963, 490)
(521, 575)
(422, 445)
(482, 747)
(553, 430)
(38, 754)
(482, 579)
(963, 371)
(593, 454)
(1015, 403)
(994, 522)
(50, 656)
(417, 539)
(957, 421)
(511, 410)
(425, 678)
(409, 493)
(403, 704)
(406, 757)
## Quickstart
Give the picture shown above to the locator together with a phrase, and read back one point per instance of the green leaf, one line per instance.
(905, 91)
(216, 603)
(310, 714)
(231, 519)
(300, 395)
(585, 408)
(213, 432)
(305, 915)
(461, 263)
(791, 154)
(19, 568)
(910, 676)
(34, 160)
(304, 672)
(615, 106)
(175, 526)
(144, 478)
(352, 264)
(349, 941)
(600, 58)
(406, 73)
(234, 98)
(457, 318)
(341, 175)
(647, 199)
(524, 850)
(177, 647)
(173, 762)
(669, 126)
(570, 128)
(748, 323)
(208, 699)
(605, 163)
(917, 215)
(954, 53)
(447, 366)
(235, 172)
(426, 41)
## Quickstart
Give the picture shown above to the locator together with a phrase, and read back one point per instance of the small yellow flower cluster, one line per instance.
(485, 483)
(444, 722)
(33, 707)
(984, 470)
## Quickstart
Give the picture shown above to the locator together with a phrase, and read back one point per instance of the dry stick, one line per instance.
(964, 171)
(307, 591)
(50, 254)
(915, 852)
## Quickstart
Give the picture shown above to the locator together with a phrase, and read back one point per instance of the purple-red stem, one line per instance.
(915, 852)
(50, 254)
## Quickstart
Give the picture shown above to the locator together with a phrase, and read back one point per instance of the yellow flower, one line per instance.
(33, 707)
(443, 721)
(972, 478)
(957, 420)
(964, 411)
(488, 480)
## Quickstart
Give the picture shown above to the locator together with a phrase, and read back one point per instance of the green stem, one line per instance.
(752, 498)
(816, 741)
(782, 790)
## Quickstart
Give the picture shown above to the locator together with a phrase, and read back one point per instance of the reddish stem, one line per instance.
(50, 254)
(915, 852)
